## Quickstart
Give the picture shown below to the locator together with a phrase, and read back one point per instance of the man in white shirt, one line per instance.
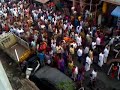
(53, 46)
(98, 41)
(86, 50)
(42, 18)
(79, 54)
(93, 45)
(35, 36)
(65, 26)
(111, 41)
(88, 39)
(79, 40)
(94, 74)
(46, 20)
(5, 14)
(74, 45)
(15, 12)
(55, 22)
(70, 26)
(88, 63)
(33, 43)
(35, 15)
(78, 29)
(15, 30)
(11, 29)
(106, 53)
(76, 35)
(101, 59)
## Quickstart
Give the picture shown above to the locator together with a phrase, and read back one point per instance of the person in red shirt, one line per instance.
(102, 39)
(6, 28)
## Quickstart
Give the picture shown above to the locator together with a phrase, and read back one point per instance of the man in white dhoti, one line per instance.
(101, 59)
(106, 53)
(88, 63)
(99, 19)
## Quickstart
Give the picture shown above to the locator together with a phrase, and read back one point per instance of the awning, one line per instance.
(42, 1)
(116, 12)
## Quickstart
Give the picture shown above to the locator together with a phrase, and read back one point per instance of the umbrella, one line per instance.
(42, 1)
(116, 12)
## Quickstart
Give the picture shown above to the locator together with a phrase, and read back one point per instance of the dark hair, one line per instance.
(72, 46)
(91, 75)
(97, 89)
(95, 69)
(114, 89)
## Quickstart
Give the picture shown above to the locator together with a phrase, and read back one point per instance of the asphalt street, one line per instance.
(104, 82)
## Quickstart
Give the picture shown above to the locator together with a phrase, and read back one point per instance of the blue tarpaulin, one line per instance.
(116, 12)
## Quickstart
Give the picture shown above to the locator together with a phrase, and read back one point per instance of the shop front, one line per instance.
(111, 12)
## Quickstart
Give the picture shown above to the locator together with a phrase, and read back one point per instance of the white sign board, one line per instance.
(42, 1)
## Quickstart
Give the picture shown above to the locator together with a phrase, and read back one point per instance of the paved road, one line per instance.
(104, 82)
(14, 75)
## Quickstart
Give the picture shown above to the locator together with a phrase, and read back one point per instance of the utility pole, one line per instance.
(90, 5)
(96, 13)
(73, 3)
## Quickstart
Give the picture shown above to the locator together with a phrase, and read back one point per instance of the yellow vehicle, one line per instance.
(15, 47)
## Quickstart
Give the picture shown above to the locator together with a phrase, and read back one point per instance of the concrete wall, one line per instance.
(4, 82)
(1, 0)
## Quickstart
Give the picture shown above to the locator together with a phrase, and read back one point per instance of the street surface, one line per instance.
(12, 69)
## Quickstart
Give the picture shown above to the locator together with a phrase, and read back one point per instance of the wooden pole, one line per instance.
(90, 5)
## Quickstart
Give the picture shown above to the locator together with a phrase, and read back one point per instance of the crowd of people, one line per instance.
(59, 40)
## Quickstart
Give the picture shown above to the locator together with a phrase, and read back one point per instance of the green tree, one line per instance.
(66, 85)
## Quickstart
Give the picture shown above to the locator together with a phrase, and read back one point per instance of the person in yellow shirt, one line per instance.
(79, 18)
(91, 54)
(70, 66)
(59, 49)
(72, 51)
